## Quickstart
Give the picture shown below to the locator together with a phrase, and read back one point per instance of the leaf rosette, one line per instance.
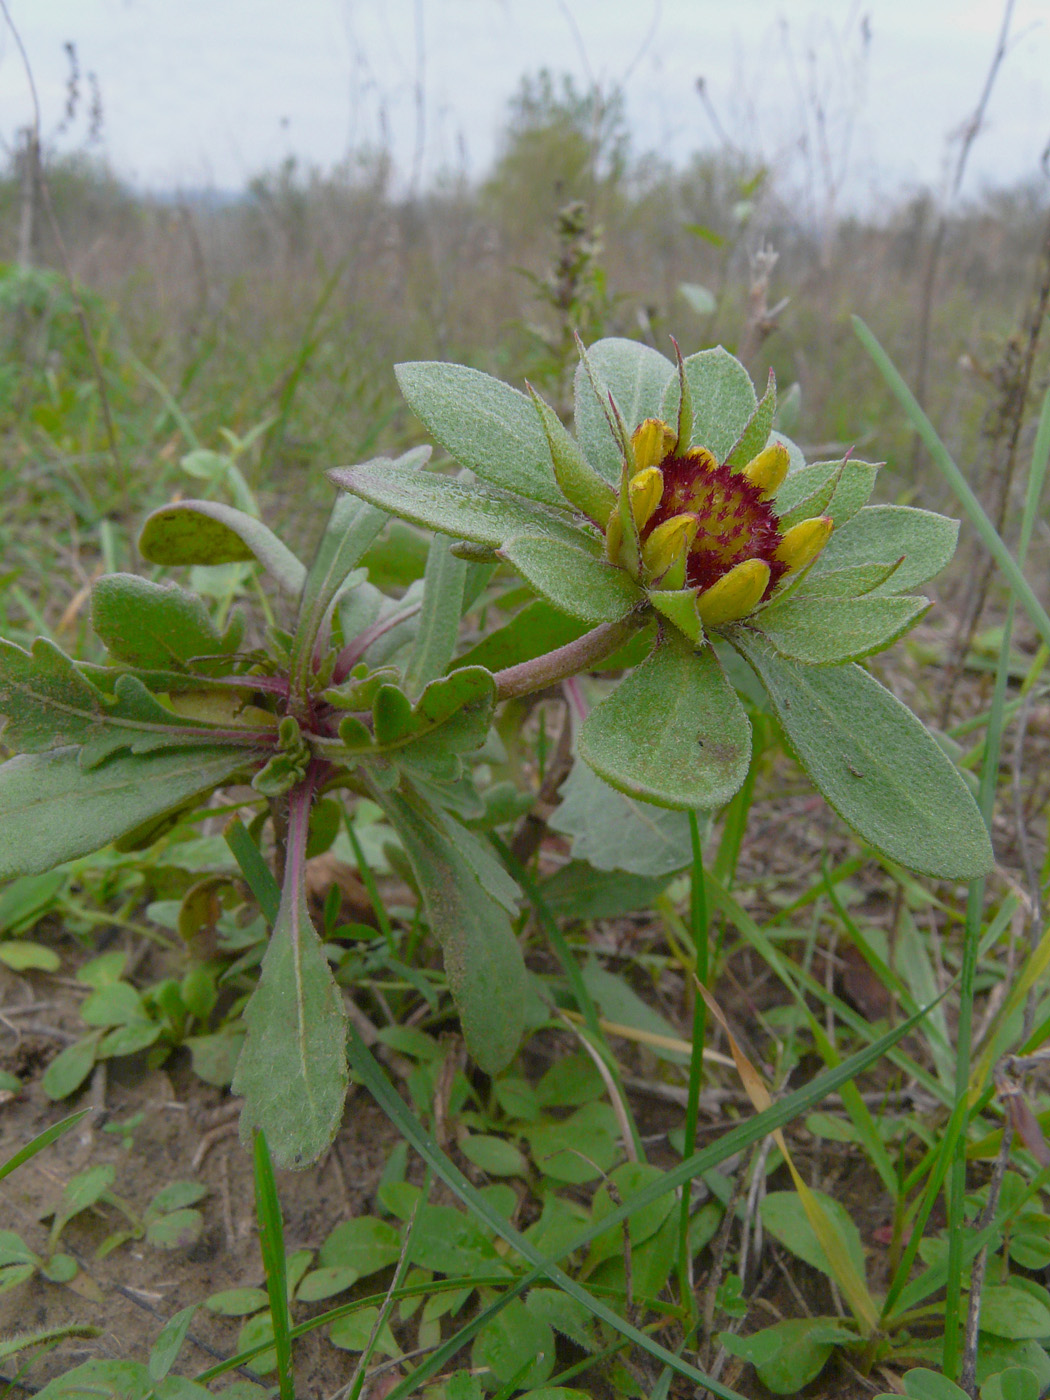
(676, 512)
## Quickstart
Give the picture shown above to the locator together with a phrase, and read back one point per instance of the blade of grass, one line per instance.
(38, 1143)
(975, 512)
(574, 977)
(256, 872)
(271, 1242)
(369, 882)
(698, 927)
(737, 1139)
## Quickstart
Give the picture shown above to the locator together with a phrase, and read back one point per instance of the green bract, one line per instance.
(580, 518)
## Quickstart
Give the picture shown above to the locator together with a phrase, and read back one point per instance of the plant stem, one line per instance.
(569, 660)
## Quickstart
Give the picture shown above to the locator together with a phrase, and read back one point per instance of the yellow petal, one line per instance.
(735, 594)
(652, 441)
(646, 488)
(804, 541)
(768, 470)
(667, 543)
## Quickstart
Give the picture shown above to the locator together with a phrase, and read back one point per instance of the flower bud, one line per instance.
(735, 594)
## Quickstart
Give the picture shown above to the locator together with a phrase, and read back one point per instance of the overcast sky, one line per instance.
(211, 92)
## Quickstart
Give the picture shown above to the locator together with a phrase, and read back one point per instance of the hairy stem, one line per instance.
(569, 660)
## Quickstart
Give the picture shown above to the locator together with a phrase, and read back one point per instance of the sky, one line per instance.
(853, 100)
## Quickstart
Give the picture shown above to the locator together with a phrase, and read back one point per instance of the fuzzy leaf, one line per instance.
(51, 810)
(759, 431)
(484, 424)
(579, 482)
(467, 512)
(535, 629)
(835, 489)
(153, 625)
(823, 631)
(292, 1069)
(723, 400)
(882, 534)
(637, 377)
(351, 528)
(613, 831)
(49, 704)
(208, 532)
(439, 619)
(573, 579)
(875, 764)
(673, 732)
(483, 962)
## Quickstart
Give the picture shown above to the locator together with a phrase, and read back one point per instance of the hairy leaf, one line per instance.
(882, 534)
(292, 1068)
(876, 765)
(208, 532)
(466, 511)
(51, 810)
(823, 631)
(154, 625)
(673, 733)
(484, 424)
(614, 831)
(573, 579)
(483, 962)
(637, 377)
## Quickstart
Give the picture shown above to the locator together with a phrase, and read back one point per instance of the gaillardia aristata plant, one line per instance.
(681, 532)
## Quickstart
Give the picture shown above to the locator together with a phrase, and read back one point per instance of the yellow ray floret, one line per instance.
(645, 489)
(735, 594)
(652, 441)
(768, 470)
(804, 541)
(668, 543)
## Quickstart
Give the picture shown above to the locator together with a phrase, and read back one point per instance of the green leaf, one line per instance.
(448, 1241)
(580, 484)
(700, 298)
(466, 511)
(573, 579)
(723, 399)
(535, 629)
(351, 528)
(82, 1191)
(783, 1216)
(68, 1070)
(620, 1003)
(836, 489)
(875, 764)
(613, 831)
(169, 1342)
(48, 704)
(364, 1244)
(759, 431)
(1013, 1312)
(577, 890)
(153, 625)
(882, 534)
(494, 1155)
(25, 956)
(854, 581)
(352, 1333)
(577, 1149)
(483, 962)
(439, 618)
(208, 532)
(484, 424)
(178, 1230)
(637, 377)
(51, 810)
(237, 1302)
(515, 1347)
(292, 1069)
(1012, 1383)
(673, 732)
(25, 900)
(788, 1355)
(823, 631)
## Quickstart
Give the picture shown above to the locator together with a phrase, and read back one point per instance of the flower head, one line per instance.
(707, 526)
